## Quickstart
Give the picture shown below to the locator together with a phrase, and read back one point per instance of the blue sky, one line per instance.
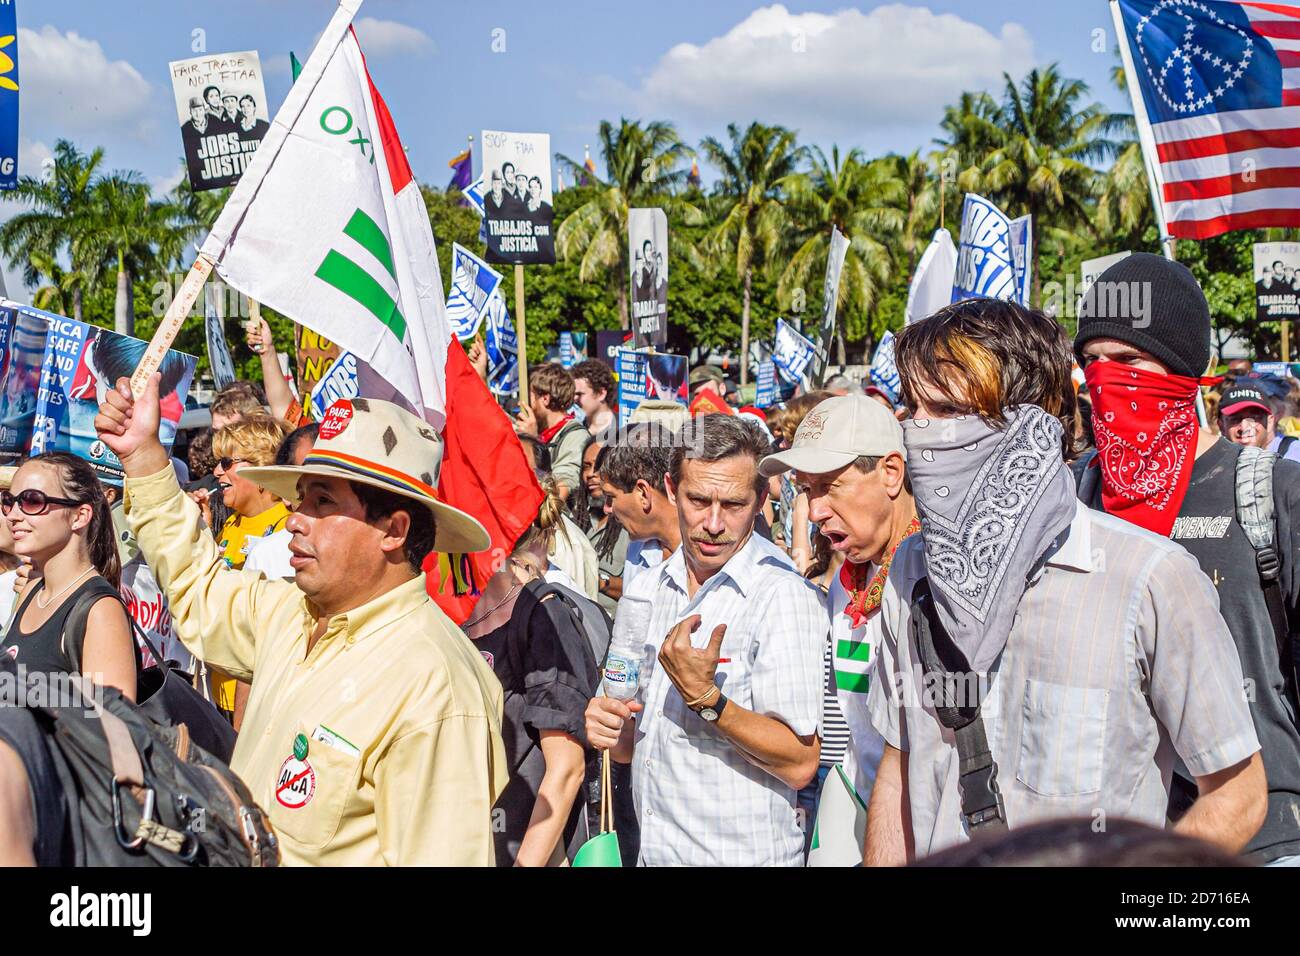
(871, 75)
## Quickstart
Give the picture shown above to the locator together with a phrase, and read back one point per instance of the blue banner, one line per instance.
(339, 382)
(24, 351)
(502, 348)
(566, 350)
(792, 353)
(884, 373)
(765, 396)
(1022, 232)
(8, 94)
(80, 365)
(985, 261)
(473, 283)
(631, 367)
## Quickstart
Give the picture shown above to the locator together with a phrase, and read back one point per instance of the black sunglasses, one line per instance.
(227, 461)
(33, 502)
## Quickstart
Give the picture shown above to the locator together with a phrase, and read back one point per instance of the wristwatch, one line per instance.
(711, 712)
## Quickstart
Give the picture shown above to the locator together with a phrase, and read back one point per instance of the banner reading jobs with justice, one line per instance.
(517, 202)
(221, 106)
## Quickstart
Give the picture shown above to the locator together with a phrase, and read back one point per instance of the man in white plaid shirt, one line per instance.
(731, 685)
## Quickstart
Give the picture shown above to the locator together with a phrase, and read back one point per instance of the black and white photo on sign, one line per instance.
(647, 233)
(222, 109)
(517, 197)
(1277, 280)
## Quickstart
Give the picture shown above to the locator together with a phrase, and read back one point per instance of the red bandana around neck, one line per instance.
(549, 434)
(865, 593)
(1145, 427)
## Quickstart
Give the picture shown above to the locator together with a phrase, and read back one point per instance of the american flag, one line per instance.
(1220, 80)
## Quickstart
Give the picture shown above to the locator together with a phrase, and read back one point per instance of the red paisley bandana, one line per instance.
(864, 593)
(1145, 426)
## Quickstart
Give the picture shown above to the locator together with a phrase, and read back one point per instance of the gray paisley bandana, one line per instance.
(991, 502)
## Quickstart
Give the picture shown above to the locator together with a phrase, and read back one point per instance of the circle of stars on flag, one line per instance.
(1184, 58)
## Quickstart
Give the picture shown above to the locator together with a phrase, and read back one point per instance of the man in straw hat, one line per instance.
(373, 730)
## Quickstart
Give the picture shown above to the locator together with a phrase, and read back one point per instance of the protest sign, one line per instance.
(221, 106)
(502, 348)
(473, 194)
(1091, 269)
(517, 204)
(830, 294)
(25, 349)
(608, 343)
(985, 260)
(649, 375)
(339, 382)
(884, 373)
(566, 350)
(792, 353)
(647, 256)
(765, 395)
(8, 96)
(316, 355)
(1022, 240)
(80, 366)
(214, 327)
(473, 282)
(1277, 281)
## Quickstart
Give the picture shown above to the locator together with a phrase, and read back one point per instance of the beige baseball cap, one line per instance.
(835, 434)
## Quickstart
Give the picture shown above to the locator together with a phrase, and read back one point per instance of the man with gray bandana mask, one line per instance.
(1098, 649)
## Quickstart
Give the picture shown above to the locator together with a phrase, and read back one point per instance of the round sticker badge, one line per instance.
(337, 417)
(296, 784)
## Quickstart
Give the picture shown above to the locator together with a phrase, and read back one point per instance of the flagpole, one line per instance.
(170, 326)
(1146, 138)
(521, 334)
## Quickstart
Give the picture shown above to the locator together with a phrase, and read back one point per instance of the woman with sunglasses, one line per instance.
(255, 514)
(60, 521)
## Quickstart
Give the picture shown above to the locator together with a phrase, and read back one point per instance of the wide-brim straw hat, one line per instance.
(382, 445)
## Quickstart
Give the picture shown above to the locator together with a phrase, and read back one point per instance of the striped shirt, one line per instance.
(834, 728)
(699, 802)
(1117, 662)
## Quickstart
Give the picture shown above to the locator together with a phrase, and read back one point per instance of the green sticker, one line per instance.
(300, 747)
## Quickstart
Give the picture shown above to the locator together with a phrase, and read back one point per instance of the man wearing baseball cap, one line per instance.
(1246, 417)
(1144, 342)
(848, 456)
(373, 730)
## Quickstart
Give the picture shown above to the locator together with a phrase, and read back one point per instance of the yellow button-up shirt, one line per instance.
(412, 759)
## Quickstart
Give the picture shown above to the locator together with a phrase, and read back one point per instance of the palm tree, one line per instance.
(864, 201)
(1042, 144)
(921, 190)
(128, 227)
(642, 165)
(54, 225)
(63, 284)
(753, 166)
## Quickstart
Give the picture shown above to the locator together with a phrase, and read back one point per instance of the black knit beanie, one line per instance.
(1152, 303)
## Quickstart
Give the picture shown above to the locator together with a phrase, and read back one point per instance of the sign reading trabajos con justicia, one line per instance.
(221, 106)
(517, 197)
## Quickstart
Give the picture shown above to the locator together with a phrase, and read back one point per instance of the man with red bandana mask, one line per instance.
(1144, 343)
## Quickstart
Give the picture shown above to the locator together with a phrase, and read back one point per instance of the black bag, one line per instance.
(164, 693)
(142, 794)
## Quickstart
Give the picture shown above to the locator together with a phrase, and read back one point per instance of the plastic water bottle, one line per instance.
(627, 648)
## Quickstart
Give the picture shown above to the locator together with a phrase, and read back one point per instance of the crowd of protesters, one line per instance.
(1041, 597)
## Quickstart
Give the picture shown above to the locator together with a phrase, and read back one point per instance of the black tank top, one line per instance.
(42, 650)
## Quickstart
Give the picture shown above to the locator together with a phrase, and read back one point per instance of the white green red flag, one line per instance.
(328, 227)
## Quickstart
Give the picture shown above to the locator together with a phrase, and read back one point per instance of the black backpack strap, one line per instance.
(977, 781)
(1256, 513)
(1285, 444)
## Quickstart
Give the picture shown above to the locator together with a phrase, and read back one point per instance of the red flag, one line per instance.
(484, 473)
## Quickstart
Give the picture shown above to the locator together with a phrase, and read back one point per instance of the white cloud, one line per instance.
(387, 37)
(839, 74)
(32, 156)
(71, 87)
